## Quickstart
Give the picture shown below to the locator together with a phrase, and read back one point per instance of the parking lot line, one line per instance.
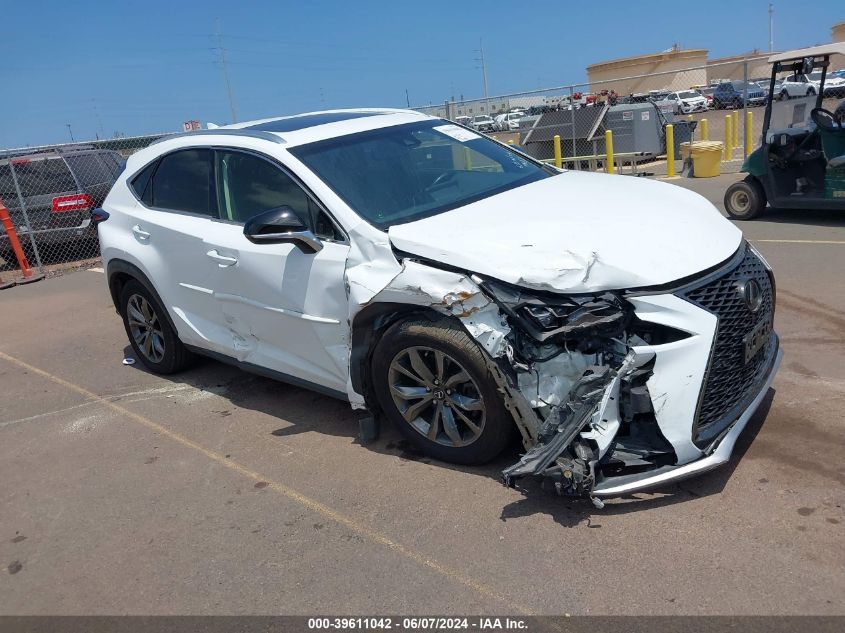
(290, 493)
(800, 241)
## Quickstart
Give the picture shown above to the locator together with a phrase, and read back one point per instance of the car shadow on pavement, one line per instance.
(305, 411)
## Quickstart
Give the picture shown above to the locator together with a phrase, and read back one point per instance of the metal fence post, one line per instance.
(575, 164)
(729, 135)
(558, 155)
(22, 204)
(670, 151)
(610, 166)
(747, 131)
(749, 138)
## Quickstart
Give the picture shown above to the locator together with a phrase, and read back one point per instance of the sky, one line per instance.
(144, 67)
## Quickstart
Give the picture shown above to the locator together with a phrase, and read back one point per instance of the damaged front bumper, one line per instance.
(665, 397)
(718, 453)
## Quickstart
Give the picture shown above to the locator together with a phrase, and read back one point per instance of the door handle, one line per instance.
(222, 260)
(140, 233)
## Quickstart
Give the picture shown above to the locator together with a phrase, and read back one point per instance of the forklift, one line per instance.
(800, 163)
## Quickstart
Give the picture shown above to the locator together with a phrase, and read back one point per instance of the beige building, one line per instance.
(732, 67)
(616, 70)
(837, 34)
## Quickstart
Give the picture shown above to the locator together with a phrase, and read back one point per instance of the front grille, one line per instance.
(730, 379)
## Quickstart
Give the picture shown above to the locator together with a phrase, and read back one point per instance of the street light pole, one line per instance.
(771, 32)
(70, 132)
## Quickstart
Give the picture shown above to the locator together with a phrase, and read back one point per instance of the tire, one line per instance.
(160, 351)
(429, 402)
(745, 200)
(811, 92)
(784, 95)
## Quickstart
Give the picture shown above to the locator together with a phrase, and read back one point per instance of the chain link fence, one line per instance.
(723, 101)
(47, 194)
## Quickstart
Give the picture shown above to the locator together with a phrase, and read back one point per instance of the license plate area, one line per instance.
(756, 339)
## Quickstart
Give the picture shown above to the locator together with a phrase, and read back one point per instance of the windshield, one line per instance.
(689, 94)
(407, 172)
(816, 76)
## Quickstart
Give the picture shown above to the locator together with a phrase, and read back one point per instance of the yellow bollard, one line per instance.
(749, 133)
(670, 151)
(558, 156)
(705, 136)
(735, 124)
(729, 137)
(608, 150)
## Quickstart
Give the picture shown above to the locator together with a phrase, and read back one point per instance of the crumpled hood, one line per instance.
(578, 232)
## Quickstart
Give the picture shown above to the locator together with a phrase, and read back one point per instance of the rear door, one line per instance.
(177, 208)
(285, 309)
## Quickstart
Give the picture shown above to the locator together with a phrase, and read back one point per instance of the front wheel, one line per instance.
(153, 339)
(745, 200)
(784, 95)
(431, 380)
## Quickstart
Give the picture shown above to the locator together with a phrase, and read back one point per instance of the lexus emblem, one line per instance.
(751, 293)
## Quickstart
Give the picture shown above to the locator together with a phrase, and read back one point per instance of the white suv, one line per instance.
(798, 86)
(452, 285)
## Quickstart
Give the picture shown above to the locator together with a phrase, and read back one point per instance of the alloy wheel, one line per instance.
(436, 396)
(145, 328)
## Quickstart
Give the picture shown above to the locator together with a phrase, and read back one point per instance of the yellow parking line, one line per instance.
(800, 241)
(290, 493)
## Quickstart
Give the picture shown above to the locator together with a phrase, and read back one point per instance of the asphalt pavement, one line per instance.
(218, 492)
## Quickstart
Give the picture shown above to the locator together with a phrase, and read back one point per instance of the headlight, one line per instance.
(575, 317)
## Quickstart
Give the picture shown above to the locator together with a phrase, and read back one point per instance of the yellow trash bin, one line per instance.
(706, 157)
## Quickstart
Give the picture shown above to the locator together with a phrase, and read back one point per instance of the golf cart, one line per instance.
(801, 161)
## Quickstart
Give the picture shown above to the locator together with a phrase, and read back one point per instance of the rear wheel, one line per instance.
(811, 91)
(431, 380)
(784, 95)
(745, 200)
(154, 341)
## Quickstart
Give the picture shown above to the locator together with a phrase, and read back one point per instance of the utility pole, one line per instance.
(407, 99)
(225, 66)
(771, 31)
(483, 67)
(70, 132)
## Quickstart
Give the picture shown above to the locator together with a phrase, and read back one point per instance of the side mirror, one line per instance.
(281, 225)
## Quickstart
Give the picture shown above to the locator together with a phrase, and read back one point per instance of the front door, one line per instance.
(285, 309)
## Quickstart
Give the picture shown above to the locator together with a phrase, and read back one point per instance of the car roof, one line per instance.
(317, 126)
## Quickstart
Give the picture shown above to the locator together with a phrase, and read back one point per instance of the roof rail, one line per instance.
(265, 136)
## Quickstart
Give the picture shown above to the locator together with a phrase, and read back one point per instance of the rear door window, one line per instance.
(43, 176)
(182, 182)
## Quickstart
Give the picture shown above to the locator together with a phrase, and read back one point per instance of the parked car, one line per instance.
(799, 85)
(452, 285)
(834, 85)
(483, 123)
(685, 102)
(463, 120)
(730, 94)
(59, 188)
(508, 121)
(707, 93)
